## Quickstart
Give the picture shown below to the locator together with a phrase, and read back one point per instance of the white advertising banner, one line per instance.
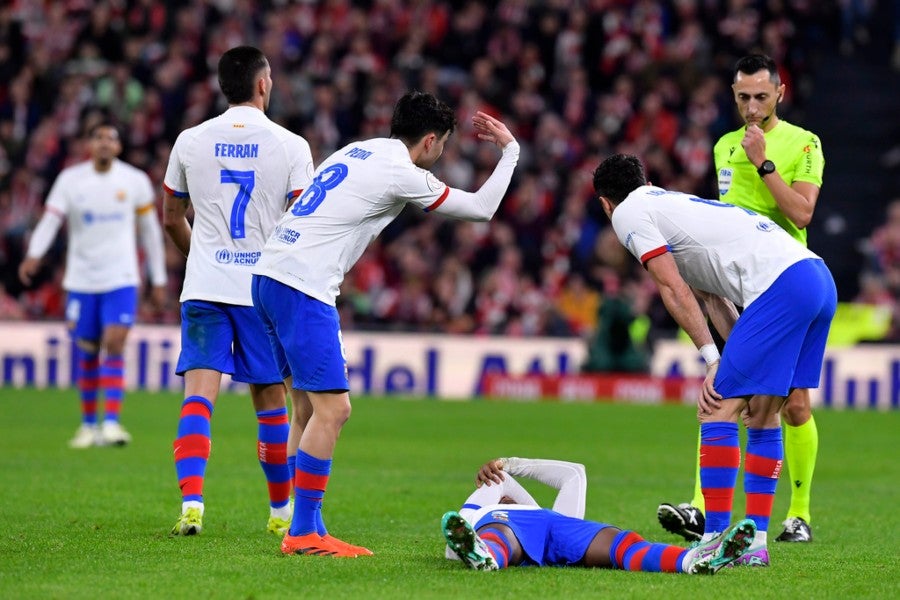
(40, 355)
(438, 366)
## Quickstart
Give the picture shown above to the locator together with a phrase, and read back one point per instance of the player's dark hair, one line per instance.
(104, 123)
(238, 71)
(417, 114)
(618, 176)
(754, 63)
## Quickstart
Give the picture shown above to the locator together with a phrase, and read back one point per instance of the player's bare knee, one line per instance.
(796, 414)
(88, 346)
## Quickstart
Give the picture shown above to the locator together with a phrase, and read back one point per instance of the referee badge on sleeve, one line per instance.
(725, 180)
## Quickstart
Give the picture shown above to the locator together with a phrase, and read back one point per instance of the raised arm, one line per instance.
(481, 205)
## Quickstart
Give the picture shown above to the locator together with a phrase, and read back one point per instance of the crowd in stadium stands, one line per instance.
(575, 80)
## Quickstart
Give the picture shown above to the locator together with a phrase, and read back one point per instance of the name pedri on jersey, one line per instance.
(239, 170)
(354, 195)
(100, 211)
(719, 248)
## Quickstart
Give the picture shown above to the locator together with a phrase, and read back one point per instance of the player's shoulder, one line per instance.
(129, 169)
(731, 137)
(791, 131)
(77, 170)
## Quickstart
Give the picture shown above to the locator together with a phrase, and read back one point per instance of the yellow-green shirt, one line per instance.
(797, 154)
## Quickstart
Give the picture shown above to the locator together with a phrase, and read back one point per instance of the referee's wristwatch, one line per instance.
(767, 167)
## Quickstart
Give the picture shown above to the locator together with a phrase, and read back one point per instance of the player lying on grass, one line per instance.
(501, 525)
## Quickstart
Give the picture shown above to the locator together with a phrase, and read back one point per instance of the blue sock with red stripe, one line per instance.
(192, 446)
(88, 382)
(765, 455)
(271, 448)
(631, 552)
(112, 380)
(720, 459)
(310, 481)
(498, 544)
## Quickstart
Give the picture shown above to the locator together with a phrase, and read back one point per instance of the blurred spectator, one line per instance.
(576, 81)
(880, 277)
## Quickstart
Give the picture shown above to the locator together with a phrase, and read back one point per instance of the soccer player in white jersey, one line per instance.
(501, 525)
(101, 200)
(730, 256)
(354, 194)
(239, 171)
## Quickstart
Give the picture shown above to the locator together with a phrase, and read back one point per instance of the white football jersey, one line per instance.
(354, 195)
(100, 212)
(239, 170)
(719, 248)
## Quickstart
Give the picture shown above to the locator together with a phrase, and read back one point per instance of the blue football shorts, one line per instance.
(305, 335)
(88, 314)
(226, 338)
(548, 538)
(778, 342)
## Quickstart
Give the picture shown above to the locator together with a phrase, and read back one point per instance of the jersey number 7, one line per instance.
(245, 180)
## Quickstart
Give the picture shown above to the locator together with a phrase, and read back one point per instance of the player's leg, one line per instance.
(83, 320)
(206, 335)
(764, 458)
(255, 364)
(720, 459)
(471, 549)
(192, 446)
(308, 331)
(801, 447)
(117, 315)
(801, 435)
(271, 450)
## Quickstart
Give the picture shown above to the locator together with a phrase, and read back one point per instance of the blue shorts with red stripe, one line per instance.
(89, 314)
(548, 538)
(778, 342)
(228, 339)
(305, 336)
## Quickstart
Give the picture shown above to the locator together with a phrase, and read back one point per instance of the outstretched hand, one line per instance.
(491, 130)
(490, 472)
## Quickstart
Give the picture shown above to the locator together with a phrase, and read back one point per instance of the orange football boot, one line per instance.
(358, 550)
(313, 544)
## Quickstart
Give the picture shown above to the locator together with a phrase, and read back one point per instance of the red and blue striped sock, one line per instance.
(720, 459)
(498, 544)
(310, 481)
(631, 552)
(192, 446)
(271, 448)
(765, 455)
(88, 382)
(112, 380)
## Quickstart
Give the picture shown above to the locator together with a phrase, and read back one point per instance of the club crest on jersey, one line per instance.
(500, 515)
(434, 184)
(725, 176)
(121, 195)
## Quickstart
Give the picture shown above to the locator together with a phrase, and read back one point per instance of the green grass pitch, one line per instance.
(95, 523)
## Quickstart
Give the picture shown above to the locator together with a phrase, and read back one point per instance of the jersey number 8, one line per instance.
(314, 195)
